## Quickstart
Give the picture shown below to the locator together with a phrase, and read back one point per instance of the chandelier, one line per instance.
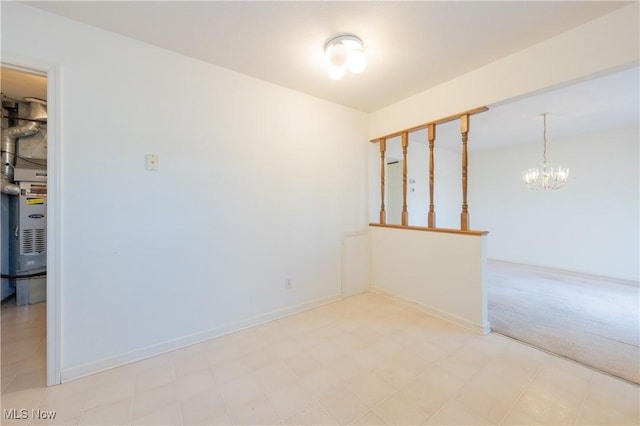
(546, 177)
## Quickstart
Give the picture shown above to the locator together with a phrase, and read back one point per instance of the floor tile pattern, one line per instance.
(366, 360)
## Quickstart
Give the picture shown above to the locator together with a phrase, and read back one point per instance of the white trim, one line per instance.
(343, 260)
(482, 329)
(54, 226)
(181, 342)
(54, 213)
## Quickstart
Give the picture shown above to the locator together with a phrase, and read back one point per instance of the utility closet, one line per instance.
(23, 183)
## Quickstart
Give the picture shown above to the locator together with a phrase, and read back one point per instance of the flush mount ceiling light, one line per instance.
(345, 52)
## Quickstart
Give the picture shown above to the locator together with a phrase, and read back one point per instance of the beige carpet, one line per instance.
(590, 319)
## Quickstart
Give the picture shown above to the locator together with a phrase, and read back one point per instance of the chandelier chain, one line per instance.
(544, 137)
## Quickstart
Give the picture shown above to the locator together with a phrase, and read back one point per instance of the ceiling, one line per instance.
(411, 46)
(17, 85)
(589, 106)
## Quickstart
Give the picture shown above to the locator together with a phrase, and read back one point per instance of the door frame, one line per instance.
(54, 208)
(391, 185)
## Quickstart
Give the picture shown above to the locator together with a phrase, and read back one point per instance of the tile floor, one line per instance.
(364, 360)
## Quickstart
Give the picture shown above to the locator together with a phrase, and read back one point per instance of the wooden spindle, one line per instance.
(405, 144)
(383, 213)
(464, 130)
(431, 219)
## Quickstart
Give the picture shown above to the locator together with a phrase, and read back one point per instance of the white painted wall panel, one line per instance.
(355, 263)
(441, 273)
(256, 185)
(591, 225)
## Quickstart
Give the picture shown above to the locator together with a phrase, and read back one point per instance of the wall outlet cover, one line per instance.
(153, 162)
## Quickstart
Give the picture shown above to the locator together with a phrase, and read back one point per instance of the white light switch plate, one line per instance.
(153, 162)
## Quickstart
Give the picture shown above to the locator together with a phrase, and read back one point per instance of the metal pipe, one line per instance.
(8, 147)
(7, 187)
(37, 111)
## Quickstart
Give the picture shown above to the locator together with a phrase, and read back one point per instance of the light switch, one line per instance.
(153, 162)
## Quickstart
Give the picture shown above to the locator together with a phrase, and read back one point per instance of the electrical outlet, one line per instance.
(288, 285)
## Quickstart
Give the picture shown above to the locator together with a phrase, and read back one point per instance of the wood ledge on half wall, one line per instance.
(423, 228)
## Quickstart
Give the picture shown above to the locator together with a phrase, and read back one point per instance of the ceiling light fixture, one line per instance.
(345, 52)
(548, 178)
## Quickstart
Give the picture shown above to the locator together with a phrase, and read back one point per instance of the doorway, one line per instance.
(28, 87)
(393, 186)
(23, 224)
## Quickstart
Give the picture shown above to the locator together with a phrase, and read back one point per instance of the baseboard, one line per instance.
(72, 373)
(481, 329)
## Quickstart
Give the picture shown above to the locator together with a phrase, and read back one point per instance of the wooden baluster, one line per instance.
(431, 220)
(464, 130)
(405, 144)
(383, 148)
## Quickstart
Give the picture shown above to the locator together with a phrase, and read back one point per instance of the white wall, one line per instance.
(590, 225)
(440, 273)
(596, 47)
(256, 184)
